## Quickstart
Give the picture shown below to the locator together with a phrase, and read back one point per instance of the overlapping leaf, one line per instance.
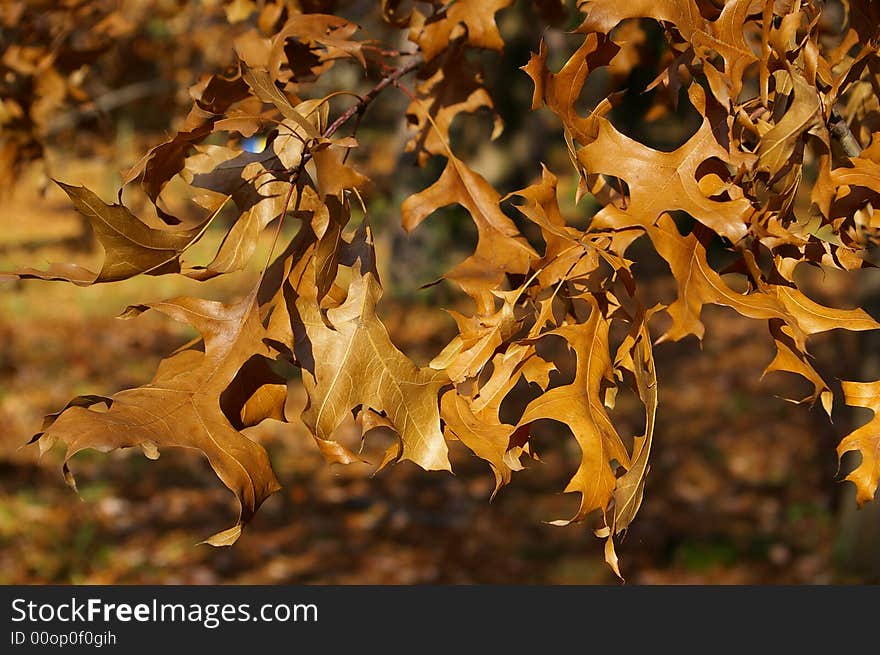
(131, 247)
(180, 406)
(354, 364)
(665, 181)
(768, 82)
(475, 17)
(865, 440)
(579, 405)
(500, 247)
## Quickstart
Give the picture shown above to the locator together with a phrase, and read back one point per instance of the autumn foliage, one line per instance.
(787, 93)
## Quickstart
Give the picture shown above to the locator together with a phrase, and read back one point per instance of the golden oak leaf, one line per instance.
(814, 318)
(810, 316)
(250, 179)
(295, 278)
(298, 117)
(355, 364)
(560, 91)
(665, 181)
(475, 421)
(259, 198)
(433, 34)
(182, 405)
(579, 406)
(860, 172)
(327, 37)
(257, 393)
(824, 189)
(568, 252)
(518, 359)
(488, 439)
(803, 115)
(330, 243)
(240, 242)
(698, 284)
(296, 287)
(166, 160)
(225, 170)
(334, 176)
(451, 85)
(500, 247)
(636, 355)
(479, 336)
(131, 247)
(791, 358)
(865, 440)
(725, 35)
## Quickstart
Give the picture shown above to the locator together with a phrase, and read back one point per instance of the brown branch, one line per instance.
(364, 102)
(840, 131)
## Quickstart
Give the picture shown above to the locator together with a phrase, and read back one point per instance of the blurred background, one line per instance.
(744, 486)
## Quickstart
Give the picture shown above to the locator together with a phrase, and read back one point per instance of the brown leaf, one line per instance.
(810, 316)
(477, 17)
(865, 440)
(488, 439)
(451, 85)
(568, 252)
(698, 284)
(635, 354)
(266, 90)
(257, 393)
(475, 421)
(327, 38)
(560, 91)
(791, 358)
(860, 172)
(334, 176)
(725, 35)
(467, 354)
(500, 247)
(259, 197)
(355, 364)
(804, 114)
(665, 181)
(166, 160)
(579, 406)
(182, 405)
(131, 247)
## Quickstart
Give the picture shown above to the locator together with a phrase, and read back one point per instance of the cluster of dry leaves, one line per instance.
(788, 96)
(69, 66)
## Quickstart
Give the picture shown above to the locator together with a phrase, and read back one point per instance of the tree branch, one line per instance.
(364, 102)
(840, 131)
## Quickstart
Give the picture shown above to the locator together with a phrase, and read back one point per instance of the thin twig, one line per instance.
(361, 106)
(358, 109)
